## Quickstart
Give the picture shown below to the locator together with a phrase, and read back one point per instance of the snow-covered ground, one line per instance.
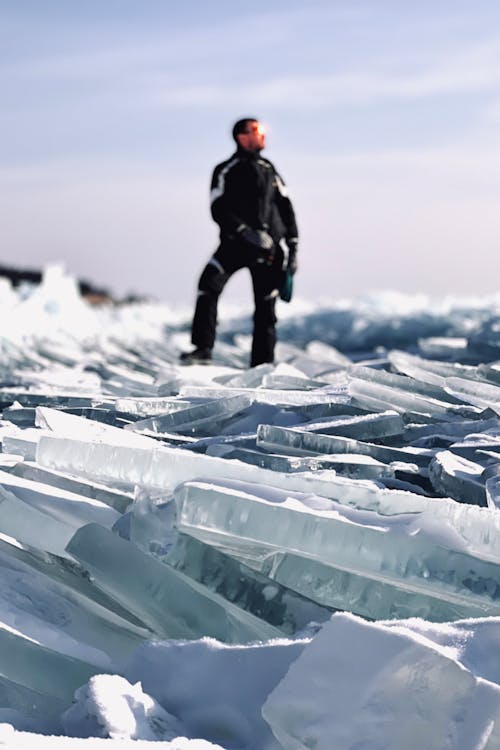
(299, 555)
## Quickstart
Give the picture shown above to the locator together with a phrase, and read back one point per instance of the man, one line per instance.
(250, 204)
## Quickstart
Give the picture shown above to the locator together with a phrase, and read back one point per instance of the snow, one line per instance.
(161, 547)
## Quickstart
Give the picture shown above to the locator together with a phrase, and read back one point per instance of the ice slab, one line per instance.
(67, 507)
(493, 492)
(458, 477)
(266, 396)
(148, 407)
(411, 385)
(115, 499)
(194, 417)
(43, 670)
(31, 526)
(483, 395)
(59, 617)
(428, 370)
(169, 602)
(414, 555)
(379, 674)
(270, 601)
(347, 464)
(371, 395)
(364, 427)
(342, 589)
(86, 429)
(297, 442)
(166, 467)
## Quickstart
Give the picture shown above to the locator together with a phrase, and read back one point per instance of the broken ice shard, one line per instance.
(363, 427)
(194, 417)
(413, 555)
(115, 499)
(297, 442)
(481, 394)
(458, 477)
(374, 395)
(347, 464)
(238, 583)
(167, 601)
(166, 467)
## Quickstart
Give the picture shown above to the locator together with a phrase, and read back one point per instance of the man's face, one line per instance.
(254, 137)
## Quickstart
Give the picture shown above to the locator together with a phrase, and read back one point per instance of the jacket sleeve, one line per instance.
(222, 212)
(285, 209)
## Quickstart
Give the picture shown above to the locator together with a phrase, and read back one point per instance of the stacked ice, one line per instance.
(169, 525)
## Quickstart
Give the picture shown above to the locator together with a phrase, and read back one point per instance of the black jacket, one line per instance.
(247, 189)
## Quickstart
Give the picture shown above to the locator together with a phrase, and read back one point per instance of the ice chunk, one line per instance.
(194, 417)
(115, 499)
(42, 603)
(430, 371)
(297, 442)
(238, 583)
(290, 382)
(62, 505)
(148, 407)
(266, 396)
(483, 395)
(31, 526)
(169, 602)
(417, 554)
(27, 663)
(347, 464)
(374, 599)
(379, 673)
(371, 395)
(166, 467)
(493, 492)
(411, 385)
(86, 429)
(458, 477)
(364, 427)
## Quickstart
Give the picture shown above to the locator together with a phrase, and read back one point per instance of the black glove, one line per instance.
(258, 238)
(292, 263)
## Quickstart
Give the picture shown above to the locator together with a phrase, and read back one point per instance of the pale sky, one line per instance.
(383, 118)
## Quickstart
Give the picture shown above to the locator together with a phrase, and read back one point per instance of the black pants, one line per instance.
(229, 258)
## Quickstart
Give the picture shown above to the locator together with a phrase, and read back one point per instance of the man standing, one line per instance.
(250, 203)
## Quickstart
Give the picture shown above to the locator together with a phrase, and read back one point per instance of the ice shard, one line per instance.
(483, 395)
(41, 671)
(165, 467)
(330, 394)
(31, 526)
(458, 477)
(363, 427)
(169, 602)
(149, 407)
(238, 583)
(115, 499)
(429, 371)
(412, 556)
(374, 395)
(347, 464)
(67, 507)
(294, 441)
(194, 417)
(56, 614)
(72, 426)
